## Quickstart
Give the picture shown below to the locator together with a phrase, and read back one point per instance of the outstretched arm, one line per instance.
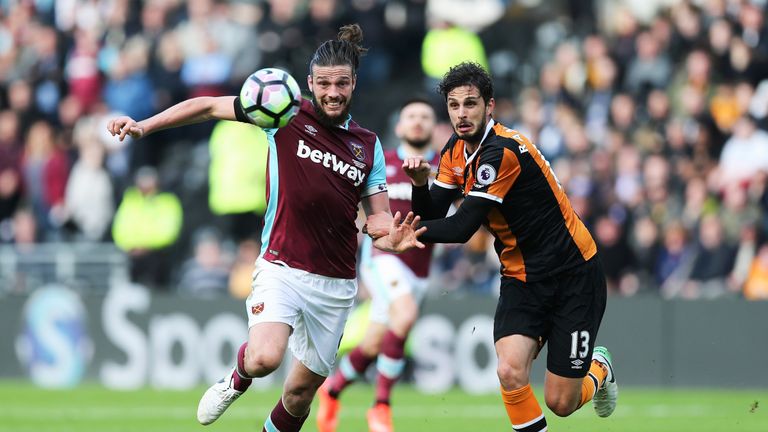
(459, 227)
(190, 111)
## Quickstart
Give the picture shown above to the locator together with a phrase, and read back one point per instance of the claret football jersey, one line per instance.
(537, 233)
(316, 178)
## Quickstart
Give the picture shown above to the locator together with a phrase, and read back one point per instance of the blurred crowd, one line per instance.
(653, 114)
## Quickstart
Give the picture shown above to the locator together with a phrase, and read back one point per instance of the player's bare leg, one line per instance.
(403, 312)
(516, 354)
(565, 395)
(351, 367)
(562, 394)
(292, 409)
(258, 358)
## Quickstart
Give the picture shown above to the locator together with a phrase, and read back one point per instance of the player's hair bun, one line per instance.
(353, 34)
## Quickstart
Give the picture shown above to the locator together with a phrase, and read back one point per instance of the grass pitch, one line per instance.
(90, 408)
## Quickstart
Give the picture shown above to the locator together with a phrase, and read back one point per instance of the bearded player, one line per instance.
(321, 166)
(553, 288)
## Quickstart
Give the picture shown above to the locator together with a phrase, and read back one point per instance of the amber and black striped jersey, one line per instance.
(536, 230)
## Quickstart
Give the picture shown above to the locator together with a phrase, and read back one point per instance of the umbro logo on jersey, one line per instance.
(332, 162)
(577, 364)
(310, 129)
(458, 171)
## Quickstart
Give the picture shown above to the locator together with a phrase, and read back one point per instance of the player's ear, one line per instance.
(399, 129)
(309, 83)
(491, 106)
(354, 81)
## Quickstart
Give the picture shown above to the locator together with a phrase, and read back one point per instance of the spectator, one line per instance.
(165, 71)
(745, 256)
(237, 178)
(623, 114)
(602, 79)
(674, 258)
(744, 154)
(82, 69)
(146, 226)
(646, 250)
(713, 260)
(737, 212)
(753, 30)
(649, 69)
(21, 102)
(128, 89)
(46, 169)
(616, 255)
(207, 272)
(89, 195)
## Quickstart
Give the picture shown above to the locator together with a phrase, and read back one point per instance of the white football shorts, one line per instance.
(315, 306)
(388, 278)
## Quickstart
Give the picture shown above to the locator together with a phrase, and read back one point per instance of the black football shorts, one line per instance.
(564, 310)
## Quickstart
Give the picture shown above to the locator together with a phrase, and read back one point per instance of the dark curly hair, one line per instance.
(344, 50)
(467, 73)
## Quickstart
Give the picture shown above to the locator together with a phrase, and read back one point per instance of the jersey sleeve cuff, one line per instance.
(444, 185)
(373, 190)
(486, 196)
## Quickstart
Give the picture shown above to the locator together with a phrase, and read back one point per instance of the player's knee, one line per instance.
(259, 363)
(512, 376)
(561, 405)
(403, 315)
(371, 347)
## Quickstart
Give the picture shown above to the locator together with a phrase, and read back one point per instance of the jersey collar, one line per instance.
(345, 125)
(488, 128)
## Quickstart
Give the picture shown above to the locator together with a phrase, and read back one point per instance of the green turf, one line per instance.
(24, 408)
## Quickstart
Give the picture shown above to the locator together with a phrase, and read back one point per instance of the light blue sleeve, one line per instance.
(377, 179)
(269, 131)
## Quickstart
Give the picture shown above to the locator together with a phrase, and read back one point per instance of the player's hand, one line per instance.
(417, 169)
(124, 125)
(401, 236)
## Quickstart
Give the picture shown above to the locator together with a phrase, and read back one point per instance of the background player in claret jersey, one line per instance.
(397, 284)
(552, 287)
(320, 167)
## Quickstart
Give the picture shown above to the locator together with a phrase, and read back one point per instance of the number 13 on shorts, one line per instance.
(580, 344)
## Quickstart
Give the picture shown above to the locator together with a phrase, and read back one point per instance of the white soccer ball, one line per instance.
(270, 97)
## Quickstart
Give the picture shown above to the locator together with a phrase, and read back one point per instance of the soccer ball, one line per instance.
(270, 97)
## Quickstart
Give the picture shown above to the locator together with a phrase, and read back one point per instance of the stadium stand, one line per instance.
(653, 114)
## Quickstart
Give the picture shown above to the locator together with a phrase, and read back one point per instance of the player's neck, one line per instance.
(471, 146)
